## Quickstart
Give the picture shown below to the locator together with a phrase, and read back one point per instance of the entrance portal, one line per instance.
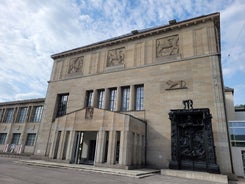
(192, 140)
(84, 147)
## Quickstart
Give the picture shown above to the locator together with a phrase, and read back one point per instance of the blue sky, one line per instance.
(32, 30)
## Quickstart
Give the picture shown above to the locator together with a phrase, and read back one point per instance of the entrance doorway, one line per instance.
(84, 147)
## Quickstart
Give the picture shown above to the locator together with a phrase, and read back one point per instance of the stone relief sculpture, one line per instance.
(75, 65)
(89, 113)
(167, 46)
(115, 57)
(176, 84)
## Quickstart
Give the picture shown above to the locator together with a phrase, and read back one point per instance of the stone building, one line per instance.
(236, 122)
(108, 103)
(19, 125)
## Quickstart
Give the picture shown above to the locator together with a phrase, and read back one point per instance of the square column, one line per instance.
(100, 146)
(112, 148)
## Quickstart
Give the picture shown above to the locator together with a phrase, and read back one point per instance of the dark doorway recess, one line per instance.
(192, 141)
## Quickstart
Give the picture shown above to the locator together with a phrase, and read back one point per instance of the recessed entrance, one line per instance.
(84, 147)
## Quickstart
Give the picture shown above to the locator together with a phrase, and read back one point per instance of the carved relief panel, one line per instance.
(115, 57)
(75, 65)
(167, 46)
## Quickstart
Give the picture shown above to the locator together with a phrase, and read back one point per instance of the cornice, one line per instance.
(139, 34)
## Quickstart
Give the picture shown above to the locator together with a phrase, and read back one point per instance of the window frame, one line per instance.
(36, 114)
(112, 99)
(3, 137)
(139, 97)
(62, 101)
(89, 98)
(125, 98)
(9, 115)
(22, 115)
(13, 136)
(101, 98)
(30, 140)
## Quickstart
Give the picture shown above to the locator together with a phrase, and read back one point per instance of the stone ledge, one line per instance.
(196, 175)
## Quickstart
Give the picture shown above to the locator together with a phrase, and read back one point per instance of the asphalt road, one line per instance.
(13, 173)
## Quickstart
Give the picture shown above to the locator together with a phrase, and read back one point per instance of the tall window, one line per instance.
(62, 104)
(9, 115)
(89, 98)
(1, 114)
(30, 139)
(113, 99)
(101, 97)
(3, 138)
(139, 97)
(22, 115)
(125, 98)
(15, 138)
(37, 114)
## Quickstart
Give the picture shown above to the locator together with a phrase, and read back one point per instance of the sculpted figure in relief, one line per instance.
(115, 57)
(75, 65)
(167, 46)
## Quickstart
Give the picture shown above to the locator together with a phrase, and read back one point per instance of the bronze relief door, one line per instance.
(192, 141)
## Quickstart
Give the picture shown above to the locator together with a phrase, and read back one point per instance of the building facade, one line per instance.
(19, 125)
(108, 103)
(236, 122)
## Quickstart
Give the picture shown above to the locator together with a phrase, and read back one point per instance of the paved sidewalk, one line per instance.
(145, 175)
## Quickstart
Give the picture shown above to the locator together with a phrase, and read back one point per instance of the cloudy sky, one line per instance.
(32, 30)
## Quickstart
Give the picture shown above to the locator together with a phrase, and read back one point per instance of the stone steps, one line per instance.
(139, 173)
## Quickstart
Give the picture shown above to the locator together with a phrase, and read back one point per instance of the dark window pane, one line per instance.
(62, 104)
(3, 138)
(101, 96)
(125, 98)
(113, 99)
(139, 97)
(22, 115)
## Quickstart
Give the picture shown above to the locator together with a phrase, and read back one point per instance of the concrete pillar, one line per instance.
(100, 146)
(61, 145)
(112, 148)
(139, 159)
(143, 150)
(70, 145)
(132, 98)
(135, 144)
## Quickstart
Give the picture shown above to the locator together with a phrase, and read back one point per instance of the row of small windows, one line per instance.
(24, 114)
(129, 98)
(30, 140)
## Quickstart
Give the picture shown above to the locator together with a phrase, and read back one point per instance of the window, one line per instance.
(9, 115)
(30, 139)
(1, 114)
(15, 138)
(101, 96)
(139, 97)
(62, 104)
(3, 137)
(22, 115)
(237, 133)
(125, 98)
(113, 99)
(89, 98)
(37, 114)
